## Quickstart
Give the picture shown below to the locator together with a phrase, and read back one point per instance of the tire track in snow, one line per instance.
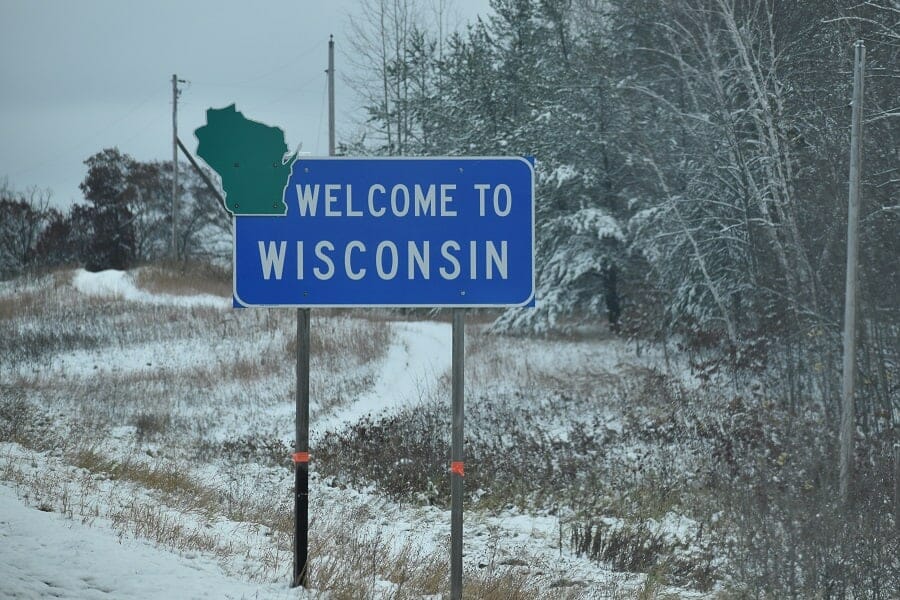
(417, 359)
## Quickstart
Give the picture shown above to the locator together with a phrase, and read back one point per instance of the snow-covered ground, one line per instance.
(47, 555)
(82, 533)
(414, 362)
(119, 285)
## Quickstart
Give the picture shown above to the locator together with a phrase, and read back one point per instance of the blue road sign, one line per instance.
(393, 232)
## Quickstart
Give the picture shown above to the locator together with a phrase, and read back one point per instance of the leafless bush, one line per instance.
(638, 547)
(22, 422)
(259, 449)
(150, 426)
(791, 536)
(16, 415)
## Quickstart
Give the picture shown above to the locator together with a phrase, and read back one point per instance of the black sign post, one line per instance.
(301, 452)
(456, 454)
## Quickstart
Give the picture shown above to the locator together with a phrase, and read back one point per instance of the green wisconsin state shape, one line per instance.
(249, 157)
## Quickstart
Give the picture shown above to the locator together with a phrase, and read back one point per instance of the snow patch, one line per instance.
(120, 286)
(418, 358)
(44, 554)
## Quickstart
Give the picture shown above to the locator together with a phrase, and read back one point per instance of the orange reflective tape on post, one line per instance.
(300, 457)
(457, 467)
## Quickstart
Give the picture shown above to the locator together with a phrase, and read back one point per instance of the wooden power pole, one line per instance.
(848, 417)
(331, 95)
(175, 93)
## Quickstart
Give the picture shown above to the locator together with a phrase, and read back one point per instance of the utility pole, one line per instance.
(175, 93)
(849, 371)
(331, 95)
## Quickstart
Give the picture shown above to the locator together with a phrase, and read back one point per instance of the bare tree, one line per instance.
(395, 48)
(24, 216)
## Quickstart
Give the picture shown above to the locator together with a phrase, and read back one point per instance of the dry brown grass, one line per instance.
(349, 560)
(363, 340)
(107, 492)
(45, 296)
(177, 488)
(184, 280)
(247, 369)
(494, 359)
(22, 304)
(156, 524)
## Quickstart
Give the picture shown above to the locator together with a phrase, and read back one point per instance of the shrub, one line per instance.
(22, 422)
(150, 426)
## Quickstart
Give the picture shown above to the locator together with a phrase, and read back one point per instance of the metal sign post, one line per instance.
(457, 471)
(301, 452)
(301, 444)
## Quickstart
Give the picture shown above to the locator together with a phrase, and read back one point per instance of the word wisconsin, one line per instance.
(388, 260)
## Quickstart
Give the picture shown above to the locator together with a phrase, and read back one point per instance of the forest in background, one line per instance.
(692, 163)
(692, 168)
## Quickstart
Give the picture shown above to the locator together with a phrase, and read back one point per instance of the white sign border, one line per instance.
(239, 303)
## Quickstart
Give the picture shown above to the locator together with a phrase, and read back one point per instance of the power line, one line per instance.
(279, 68)
(94, 135)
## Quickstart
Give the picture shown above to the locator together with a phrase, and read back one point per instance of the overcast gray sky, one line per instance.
(77, 77)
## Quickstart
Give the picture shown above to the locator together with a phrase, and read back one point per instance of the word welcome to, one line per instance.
(398, 201)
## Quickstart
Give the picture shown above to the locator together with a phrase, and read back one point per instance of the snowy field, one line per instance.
(145, 442)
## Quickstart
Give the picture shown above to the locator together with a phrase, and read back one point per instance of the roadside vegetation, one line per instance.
(166, 420)
(174, 424)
